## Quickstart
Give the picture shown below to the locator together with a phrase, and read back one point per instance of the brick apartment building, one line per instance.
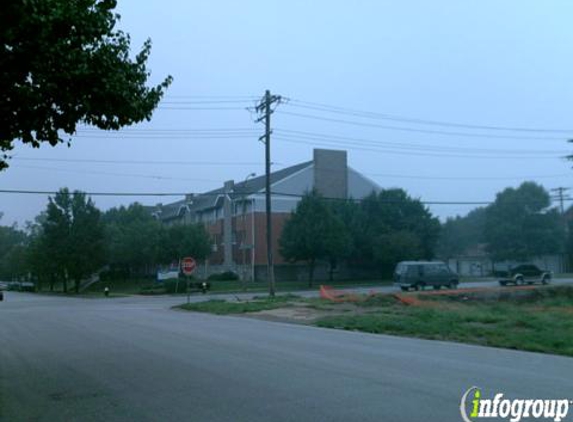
(234, 214)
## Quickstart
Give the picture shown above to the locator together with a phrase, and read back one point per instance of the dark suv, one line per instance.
(419, 274)
(525, 274)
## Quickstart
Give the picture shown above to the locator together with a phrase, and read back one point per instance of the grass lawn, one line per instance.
(541, 323)
(538, 319)
(288, 286)
(222, 307)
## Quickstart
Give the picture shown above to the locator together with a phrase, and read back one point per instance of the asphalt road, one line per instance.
(134, 359)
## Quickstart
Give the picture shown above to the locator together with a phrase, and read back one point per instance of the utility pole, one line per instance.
(560, 191)
(264, 108)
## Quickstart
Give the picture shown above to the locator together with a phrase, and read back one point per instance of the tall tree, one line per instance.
(460, 233)
(313, 232)
(392, 227)
(62, 63)
(73, 236)
(183, 240)
(520, 224)
(12, 247)
(132, 238)
(39, 258)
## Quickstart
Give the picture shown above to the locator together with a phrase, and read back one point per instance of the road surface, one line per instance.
(134, 359)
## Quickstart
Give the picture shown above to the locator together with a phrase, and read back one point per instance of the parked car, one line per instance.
(525, 274)
(419, 274)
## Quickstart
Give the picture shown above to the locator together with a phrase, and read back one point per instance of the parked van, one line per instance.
(419, 274)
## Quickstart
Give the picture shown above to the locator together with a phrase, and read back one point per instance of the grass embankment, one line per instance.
(538, 319)
(222, 307)
(540, 322)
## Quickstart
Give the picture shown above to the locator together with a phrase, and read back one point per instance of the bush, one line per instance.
(175, 286)
(224, 276)
(152, 290)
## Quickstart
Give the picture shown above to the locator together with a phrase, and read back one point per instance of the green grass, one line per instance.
(543, 324)
(289, 286)
(222, 307)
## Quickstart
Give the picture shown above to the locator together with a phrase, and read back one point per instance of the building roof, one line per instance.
(211, 198)
(257, 184)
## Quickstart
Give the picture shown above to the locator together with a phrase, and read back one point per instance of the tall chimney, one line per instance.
(331, 173)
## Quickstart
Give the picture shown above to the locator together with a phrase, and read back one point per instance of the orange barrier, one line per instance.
(328, 293)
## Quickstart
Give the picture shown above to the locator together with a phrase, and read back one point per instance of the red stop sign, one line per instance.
(188, 265)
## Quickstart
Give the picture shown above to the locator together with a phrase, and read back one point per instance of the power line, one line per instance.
(213, 97)
(105, 173)
(403, 145)
(247, 163)
(169, 130)
(283, 194)
(201, 108)
(382, 150)
(382, 116)
(467, 178)
(146, 162)
(409, 129)
(217, 101)
(159, 136)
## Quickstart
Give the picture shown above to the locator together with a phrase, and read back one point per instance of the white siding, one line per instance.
(360, 186)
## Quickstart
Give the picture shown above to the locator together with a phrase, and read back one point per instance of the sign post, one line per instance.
(188, 265)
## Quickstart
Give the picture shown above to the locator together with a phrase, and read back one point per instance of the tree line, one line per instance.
(373, 233)
(72, 239)
(390, 226)
(519, 225)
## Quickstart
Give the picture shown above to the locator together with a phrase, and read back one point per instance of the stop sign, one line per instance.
(188, 265)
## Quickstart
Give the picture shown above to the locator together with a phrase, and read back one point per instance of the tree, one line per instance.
(132, 239)
(183, 240)
(39, 256)
(12, 248)
(391, 226)
(520, 224)
(73, 236)
(460, 233)
(396, 246)
(62, 63)
(312, 233)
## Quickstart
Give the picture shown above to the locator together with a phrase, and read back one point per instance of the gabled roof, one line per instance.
(210, 199)
(257, 184)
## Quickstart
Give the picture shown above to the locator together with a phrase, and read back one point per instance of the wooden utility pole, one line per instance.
(264, 108)
(561, 198)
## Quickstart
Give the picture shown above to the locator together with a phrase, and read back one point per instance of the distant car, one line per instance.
(27, 286)
(3, 285)
(525, 274)
(420, 274)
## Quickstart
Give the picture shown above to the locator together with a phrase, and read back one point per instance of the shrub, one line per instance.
(224, 276)
(152, 290)
(175, 286)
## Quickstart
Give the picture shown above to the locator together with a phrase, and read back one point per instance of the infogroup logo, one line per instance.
(474, 407)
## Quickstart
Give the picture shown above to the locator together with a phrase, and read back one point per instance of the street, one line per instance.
(135, 359)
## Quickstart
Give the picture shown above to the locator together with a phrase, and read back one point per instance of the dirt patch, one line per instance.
(309, 313)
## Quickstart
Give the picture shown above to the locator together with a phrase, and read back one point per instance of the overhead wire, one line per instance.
(114, 174)
(381, 150)
(207, 194)
(416, 130)
(403, 145)
(382, 116)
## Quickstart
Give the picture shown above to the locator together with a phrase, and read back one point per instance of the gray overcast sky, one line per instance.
(502, 63)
